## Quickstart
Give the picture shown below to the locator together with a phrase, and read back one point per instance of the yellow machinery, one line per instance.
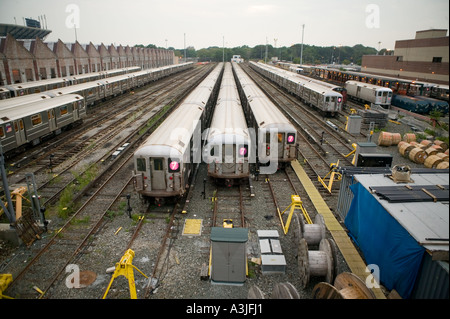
(296, 203)
(5, 280)
(227, 223)
(331, 175)
(17, 196)
(125, 268)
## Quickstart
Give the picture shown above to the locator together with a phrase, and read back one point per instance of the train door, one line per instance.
(157, 173)
(19, 130)
(51, 120)
(229, 163)
(76, 111)
(280, 140)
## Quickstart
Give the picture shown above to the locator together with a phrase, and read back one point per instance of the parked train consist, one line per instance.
(165, 161)
(31, 122)
(102, 89)
(398, 85)
(295, 70)
(411, 104)
(228, 144)
(90, 92)
(20, 89)
(275, 135)
(369, 93)
(316, 95)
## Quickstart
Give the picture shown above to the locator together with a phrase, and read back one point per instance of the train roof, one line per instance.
(176, 131)
(266, 113)
(314, 86)
(228, 120)
(20, 100)
(369, 86)
(73, 88)
(33, 84)
(15, 113)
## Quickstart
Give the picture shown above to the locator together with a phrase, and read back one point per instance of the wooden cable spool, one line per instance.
(396, 138)
(442, 165)
(432, 161)
(443, 156)
(385, 139)
(285, 290)
(319, 263)
(409, 137)
(313, 233)
(255, 293)
(443, 145)
(431, 151)
(405, 148)
(426, 143)
(346, 286)
(417, 155)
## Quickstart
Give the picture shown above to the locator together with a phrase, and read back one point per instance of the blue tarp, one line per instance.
(384, 242)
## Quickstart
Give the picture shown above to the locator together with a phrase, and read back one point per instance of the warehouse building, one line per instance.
(424, 58)
(24, 60)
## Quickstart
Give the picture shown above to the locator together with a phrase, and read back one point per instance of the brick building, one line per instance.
(425, 58)
(31, 60)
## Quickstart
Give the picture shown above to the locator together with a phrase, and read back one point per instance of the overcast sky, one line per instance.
(240, 22)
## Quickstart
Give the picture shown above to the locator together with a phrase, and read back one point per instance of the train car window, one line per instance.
(280, 137)
(214, 150)
(63, 110)
(174, 165)
(140, 164)
(327, 99)
(2, 132)
(158, 164)
(290, 138)
(36, 119)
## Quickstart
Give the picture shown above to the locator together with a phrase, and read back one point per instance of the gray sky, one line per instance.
(240, 22)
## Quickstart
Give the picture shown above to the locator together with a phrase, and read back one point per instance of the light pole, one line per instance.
(301, 50)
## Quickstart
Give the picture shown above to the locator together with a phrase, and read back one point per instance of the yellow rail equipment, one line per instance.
(125, 268)
(296, 202)
(331, 176)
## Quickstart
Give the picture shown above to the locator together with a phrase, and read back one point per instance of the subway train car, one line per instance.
(314, 94)
(274, 150)
(369, 93)
(228, 143)
(165, 162)
(32, 122)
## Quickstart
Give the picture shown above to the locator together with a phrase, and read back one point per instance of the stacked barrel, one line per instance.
(433, 154)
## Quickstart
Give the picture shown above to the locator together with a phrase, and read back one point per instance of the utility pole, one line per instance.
(301, 50)
(185, 57)
(265, 59)
(223, 49)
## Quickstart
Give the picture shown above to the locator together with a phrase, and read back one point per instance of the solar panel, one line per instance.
(412, 193)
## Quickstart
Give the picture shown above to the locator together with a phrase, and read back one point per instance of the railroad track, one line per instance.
(104, 121)
(320, 144)
(102, 192)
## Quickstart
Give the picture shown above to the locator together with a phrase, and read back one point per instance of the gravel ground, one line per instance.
(181, 278)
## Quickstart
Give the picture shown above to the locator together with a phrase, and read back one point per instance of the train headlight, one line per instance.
(339, 99)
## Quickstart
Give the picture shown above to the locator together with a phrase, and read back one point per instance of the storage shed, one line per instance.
(402, 228)
(229, 260)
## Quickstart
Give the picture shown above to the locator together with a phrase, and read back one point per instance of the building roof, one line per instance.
(22, 32)
(427, 222)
